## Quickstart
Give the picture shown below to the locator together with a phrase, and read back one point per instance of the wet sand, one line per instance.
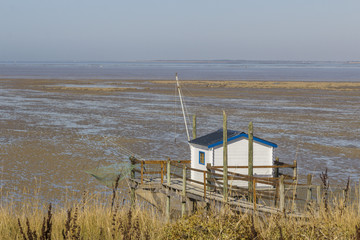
(54, 130)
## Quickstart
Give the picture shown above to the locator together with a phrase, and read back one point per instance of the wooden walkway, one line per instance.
(195, 192)
(159, 182)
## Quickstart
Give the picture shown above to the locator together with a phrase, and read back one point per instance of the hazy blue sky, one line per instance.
(116, 30)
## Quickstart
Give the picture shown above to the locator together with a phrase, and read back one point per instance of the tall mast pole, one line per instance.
(182, 106)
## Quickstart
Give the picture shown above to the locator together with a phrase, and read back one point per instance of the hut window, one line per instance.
(202, 158)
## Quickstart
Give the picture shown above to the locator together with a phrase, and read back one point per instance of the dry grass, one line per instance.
(338, 222)
(90, 218)
(106, 216)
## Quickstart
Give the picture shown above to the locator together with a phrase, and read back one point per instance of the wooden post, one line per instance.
(295, 171)
(209, 182)
(293, 206)
(318, 195)
(250, 161)
(282, 194)
(132, 161)
(276, 195)
(225, 158)
(183, 197)
(168, 191)
(254, 193)
(277, 169)
(142, 172)
(194, 206)
(309, 190)
(205, 185)
(194, 127)
(168, 173)
(162, 172)
(359, 198)
(132, 175)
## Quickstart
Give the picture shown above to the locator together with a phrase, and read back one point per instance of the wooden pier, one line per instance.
(161, 182)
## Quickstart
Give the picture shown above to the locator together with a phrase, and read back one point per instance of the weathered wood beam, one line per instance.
(225, 158)
(132, 176)
(250, 160)
(309, 190)
(295, 171)
(282, 194)
(168, 173)
(183, 197)
(194, 127)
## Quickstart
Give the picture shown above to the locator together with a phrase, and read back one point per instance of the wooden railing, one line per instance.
(212, 178)
(280, 188)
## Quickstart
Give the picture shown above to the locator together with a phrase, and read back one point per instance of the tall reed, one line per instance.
(111, 216)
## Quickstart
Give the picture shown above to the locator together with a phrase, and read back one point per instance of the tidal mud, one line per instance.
(52, 131)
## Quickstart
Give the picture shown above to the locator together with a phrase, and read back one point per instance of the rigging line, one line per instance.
(188, 91)
(187, 115)
(185, 106)
(123, 150)
(175, 102)
(175, 115)
(182, 106)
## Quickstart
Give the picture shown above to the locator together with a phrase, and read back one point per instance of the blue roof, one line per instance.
(216, 138)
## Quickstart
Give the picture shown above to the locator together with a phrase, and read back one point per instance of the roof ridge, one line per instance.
(216, 138)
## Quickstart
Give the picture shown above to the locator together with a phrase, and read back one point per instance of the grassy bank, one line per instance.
(99, 216)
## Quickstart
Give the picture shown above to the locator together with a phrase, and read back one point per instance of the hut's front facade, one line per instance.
(209, 149)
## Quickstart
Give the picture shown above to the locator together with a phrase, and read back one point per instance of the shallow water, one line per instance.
(209, 70)
(52, 136)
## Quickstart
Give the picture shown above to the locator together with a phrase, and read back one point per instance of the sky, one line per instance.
(124, 30)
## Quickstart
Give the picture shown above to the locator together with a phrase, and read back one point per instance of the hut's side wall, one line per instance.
(195, 152)
(238, 156)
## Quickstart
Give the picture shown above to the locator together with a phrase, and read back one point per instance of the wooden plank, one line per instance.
(147, 172)
(196, 170)
(160, 161)
(194, 181)
(152, 172)
(175, 175)
(250, 178)
(246, 177)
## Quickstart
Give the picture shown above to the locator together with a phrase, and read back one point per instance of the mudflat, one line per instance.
(52, 131)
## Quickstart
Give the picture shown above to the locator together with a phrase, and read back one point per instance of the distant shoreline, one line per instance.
(116, 85)
(181, 61)
(304, 71)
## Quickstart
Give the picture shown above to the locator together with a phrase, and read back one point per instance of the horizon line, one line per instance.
(173, 61)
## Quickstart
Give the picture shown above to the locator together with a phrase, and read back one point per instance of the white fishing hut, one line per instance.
(209, 149)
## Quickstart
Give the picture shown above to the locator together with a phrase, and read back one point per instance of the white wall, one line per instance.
(237, 156)
(198, 176)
